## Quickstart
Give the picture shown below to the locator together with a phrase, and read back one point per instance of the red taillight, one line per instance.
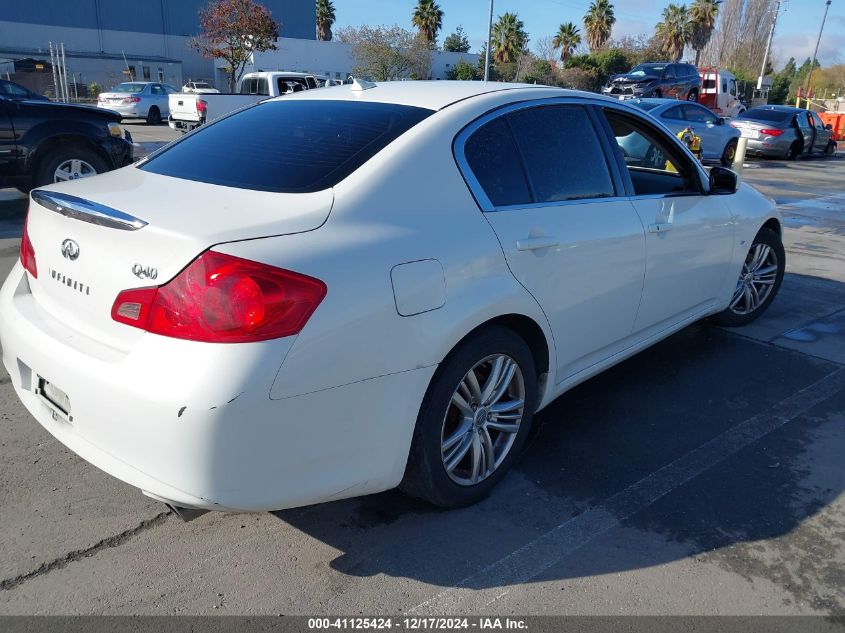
(219, 298)
(202, 106)
(772, 132)
(132, 99)
(27, 252)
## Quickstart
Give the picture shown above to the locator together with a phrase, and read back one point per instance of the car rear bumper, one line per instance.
(766, 148)
(192, 423)
(183, 126)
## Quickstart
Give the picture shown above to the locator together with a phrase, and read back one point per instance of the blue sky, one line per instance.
(796, 32)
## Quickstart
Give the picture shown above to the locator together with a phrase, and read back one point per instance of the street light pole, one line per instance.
(768, 47)
(815, 54)
(489, 38)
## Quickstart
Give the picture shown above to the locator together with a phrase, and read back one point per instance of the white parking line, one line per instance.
(535, 557)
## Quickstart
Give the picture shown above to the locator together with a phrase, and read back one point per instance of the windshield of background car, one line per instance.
(761, 114)
(643, 70)
(129, 88)
(287, 146)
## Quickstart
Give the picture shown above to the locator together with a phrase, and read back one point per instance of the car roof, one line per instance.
(432, 95)
(778, 108)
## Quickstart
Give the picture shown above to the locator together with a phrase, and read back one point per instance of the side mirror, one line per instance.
(723, 181)
(829, 126)
(721, 121)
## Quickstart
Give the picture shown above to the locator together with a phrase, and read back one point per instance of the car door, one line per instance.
(8, 147)
(806, 131)
(689, 235)
(159, 98)
(670, 81)
(822, 134)
(540, 173)
(706, 126)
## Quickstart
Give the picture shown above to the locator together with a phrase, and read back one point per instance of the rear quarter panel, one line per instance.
(408, 203)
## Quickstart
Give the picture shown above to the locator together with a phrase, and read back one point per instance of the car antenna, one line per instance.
(359, 85)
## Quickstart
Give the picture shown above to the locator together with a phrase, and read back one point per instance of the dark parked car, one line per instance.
(777, 131)
(43, 142)
(668, 80)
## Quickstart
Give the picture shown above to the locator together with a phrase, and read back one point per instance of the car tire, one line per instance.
(693, 96)
(153, 116)
(767, 255)
(45, 173)
(467, 479)
(830, 150)
(729, 154)
(794, 151)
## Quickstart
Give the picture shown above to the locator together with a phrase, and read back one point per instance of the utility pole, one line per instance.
(815, 54)
(489, 38)
(768, 47)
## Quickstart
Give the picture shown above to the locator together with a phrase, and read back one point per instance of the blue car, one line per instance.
(718, 140)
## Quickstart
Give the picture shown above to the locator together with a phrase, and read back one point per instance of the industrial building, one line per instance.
(108, 41)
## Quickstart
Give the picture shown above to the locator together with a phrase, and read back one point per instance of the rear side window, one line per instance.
(290, 146)
(492, 156)
(254, 86)
(562, 153)
(674, 113)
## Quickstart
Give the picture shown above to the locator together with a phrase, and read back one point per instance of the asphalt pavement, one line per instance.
(703, 476)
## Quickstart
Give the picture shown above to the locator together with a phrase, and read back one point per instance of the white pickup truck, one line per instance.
(189, 110)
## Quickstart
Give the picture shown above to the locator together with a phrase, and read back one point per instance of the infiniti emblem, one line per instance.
(70, 249)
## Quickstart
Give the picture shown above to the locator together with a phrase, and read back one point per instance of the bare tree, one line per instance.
(739, 39)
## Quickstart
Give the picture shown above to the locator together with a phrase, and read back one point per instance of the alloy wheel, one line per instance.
(758, 277)
(482, 419)
(73, 169)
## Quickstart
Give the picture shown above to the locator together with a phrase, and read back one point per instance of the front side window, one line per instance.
(656, 166)
(492, 156)
(562, 153)
(302, 145)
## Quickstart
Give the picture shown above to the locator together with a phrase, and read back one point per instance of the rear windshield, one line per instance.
(762, 114)
(129, 88)
(290, 146)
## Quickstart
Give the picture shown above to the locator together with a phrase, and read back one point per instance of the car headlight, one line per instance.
(115, 130)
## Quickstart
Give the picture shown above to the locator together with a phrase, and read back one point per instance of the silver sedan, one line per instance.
(718, 140)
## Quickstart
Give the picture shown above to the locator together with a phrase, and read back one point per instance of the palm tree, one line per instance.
(702, 15)
(325, 19)
(567, 38)
(509, 38)
(598, 22)
(674, 31)
(428, 18)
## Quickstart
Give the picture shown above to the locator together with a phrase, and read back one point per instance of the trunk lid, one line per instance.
(750, 129)
(126, 229)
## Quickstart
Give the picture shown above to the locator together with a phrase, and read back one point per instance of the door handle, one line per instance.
(659, 228)
(536, 243)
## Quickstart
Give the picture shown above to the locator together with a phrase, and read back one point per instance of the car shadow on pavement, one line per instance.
(601, 438)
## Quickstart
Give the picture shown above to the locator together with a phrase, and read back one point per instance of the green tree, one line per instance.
(780, 83)
(457, 42)
(325, 19)
(674, 30)
(428, 18)
(509, 39)
(382, 53)
(463, 71)
(598, 23)
(702, 17)
(567, 39)
(232, 30)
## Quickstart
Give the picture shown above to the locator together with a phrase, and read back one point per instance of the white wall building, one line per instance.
(332, 59)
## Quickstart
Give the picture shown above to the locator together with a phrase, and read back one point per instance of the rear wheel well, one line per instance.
(530, 332)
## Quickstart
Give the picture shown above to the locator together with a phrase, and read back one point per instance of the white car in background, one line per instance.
(200, 87)
(138, 100)
(336, 292)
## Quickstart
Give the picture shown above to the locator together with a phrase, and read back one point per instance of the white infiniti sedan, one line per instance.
(343, 291)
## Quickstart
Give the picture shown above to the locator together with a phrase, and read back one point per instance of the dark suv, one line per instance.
(43, 142)
(671, 80)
